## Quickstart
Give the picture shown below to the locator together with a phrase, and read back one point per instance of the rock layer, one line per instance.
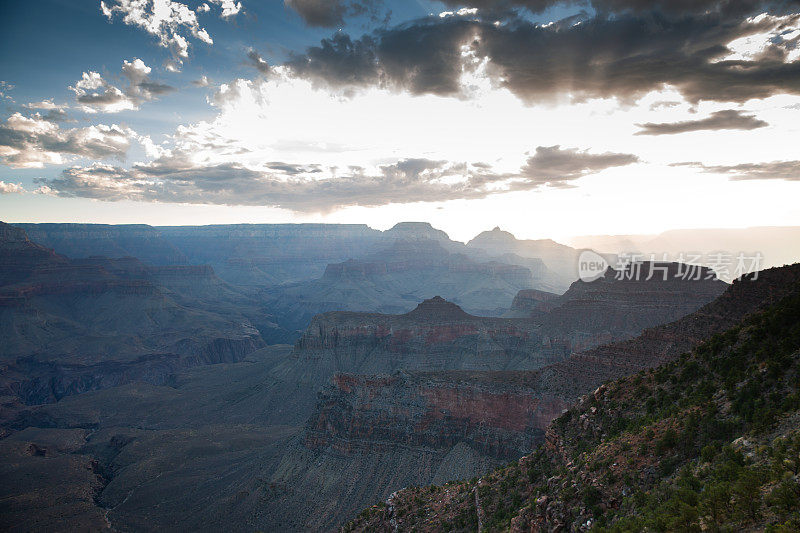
(437, 335)
(369, 413)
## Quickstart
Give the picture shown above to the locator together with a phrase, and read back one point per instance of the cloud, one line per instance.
(421, 59)
(44, 105)
(175, 178)
(229, 7)
(557, 167)
(6, 88)
(11, 188)
(170, 22)
(95, 94)
(331, 13)
(663, 104)
(202, 82)
(625, 56)
(32, 142)
(54, 112)
(774, 170)
(728, 119)
(257, 61)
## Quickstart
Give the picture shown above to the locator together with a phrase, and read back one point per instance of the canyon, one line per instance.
(303, 436)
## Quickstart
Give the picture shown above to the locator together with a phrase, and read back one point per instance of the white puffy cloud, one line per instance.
(170, 22)
(53, 112)
(11, 188)
(45, 105)
(229, 7)
(95, 94)
(32, 142)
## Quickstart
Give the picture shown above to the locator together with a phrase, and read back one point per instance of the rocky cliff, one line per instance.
(629, 300)
(530, 303)
(562, 383)
(431, 410)
(371, 435)
(436, 335)
(415, 231)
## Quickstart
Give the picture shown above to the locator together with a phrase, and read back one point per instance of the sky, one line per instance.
(548, 118)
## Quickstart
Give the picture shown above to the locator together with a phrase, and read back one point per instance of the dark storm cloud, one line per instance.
(728, 119)
(255, 60)
(289, 185)
(624, 55)
(554, 166)
(331, 13)
(152, 88)
(774, 170)
(421, 58)
(340, 61)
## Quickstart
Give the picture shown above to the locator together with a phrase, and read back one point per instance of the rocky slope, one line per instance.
(437, 335)
(708, 440)
(194, 453)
